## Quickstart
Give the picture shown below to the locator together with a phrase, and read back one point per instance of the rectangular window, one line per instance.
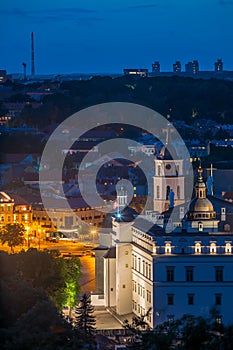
(190, 299)
(149, 266)
(219, 274)
(218, 320)
(170, 318)
(170, 299)
(189, 274)
(218, 299)
(170, 274)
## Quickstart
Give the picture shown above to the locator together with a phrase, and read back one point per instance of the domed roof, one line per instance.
(201, 205)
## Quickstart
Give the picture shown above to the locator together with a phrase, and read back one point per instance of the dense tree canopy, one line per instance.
(182, 98)
(13, 235)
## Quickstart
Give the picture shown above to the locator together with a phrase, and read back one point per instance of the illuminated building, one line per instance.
(218, 65)
(57, 218)
(156, 66)
(177, 67)
(192, 67)
(173, 266)
(141, 72)
(14, 209)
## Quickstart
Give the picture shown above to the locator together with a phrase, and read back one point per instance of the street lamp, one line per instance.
(93, 235)
(39, 232)
(27, 232)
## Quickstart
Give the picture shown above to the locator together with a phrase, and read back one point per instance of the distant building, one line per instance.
(177, 67)
(142, 72)
(192, 67)
(4, 76)
(195, 67)
(156, 66)
(218, 65)
(14, 209)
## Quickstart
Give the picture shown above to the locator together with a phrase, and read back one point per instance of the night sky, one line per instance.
(73, 36)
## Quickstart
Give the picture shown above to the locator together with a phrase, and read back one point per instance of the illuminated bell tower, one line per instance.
(168, 178)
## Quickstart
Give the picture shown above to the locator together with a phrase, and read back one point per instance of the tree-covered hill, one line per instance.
(182, 98)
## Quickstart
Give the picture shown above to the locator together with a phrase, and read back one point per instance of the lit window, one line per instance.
(218, 320)
(197, 248)
(168, 248)
(200, 226)
(213, 248)
(170, 318)
(228, 248)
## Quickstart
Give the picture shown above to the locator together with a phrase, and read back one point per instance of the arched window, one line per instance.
(168, 248)
(200, 226)
(197, 248)
(213, 248)
(168, 191)
(158, 192)
(159, 170)
(178, 192)
(228, 248)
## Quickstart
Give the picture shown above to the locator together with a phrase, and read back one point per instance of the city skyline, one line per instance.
(107, 37)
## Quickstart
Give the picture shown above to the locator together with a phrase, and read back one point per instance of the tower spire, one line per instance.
(32, 55)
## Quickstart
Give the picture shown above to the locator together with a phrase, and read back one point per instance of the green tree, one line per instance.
(13, 235)
(84, 318)
(48, 270)
(138, 323)
(71, 272)
(42, 327)
(195, 331)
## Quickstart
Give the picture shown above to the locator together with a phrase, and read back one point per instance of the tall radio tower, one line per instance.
(33, 55)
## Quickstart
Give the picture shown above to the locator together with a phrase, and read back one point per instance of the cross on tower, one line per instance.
(210, 180)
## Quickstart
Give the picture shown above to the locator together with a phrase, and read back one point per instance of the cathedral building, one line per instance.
(165, 274)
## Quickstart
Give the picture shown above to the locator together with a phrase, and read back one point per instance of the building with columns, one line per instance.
(142, 268)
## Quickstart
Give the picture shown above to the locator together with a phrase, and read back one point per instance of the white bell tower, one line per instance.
(168, 179)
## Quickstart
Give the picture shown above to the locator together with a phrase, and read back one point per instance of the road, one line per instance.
(81, 249)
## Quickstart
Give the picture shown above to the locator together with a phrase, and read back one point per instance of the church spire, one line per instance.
(200, 187)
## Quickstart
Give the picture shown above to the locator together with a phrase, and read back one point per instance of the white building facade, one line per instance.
(166, 275)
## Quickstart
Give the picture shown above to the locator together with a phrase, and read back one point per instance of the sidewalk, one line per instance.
(108, 319)
(105, 320)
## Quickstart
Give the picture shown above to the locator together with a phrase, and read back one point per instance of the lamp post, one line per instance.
(39, 231)
(93, 235)
(27, 232)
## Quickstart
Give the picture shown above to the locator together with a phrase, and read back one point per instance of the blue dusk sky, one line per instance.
(73, 36)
